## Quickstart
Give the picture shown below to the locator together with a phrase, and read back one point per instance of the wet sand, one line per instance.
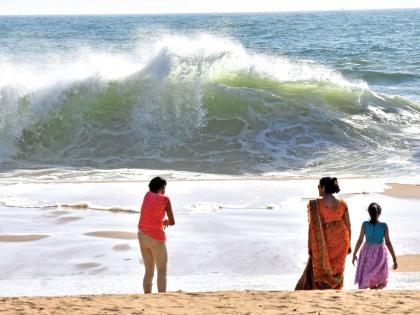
(233, 302)
(408, 263)
(22, 238)
(114, 234)
(403, 191)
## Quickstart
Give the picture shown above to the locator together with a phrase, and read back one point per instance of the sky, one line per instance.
(40, 7)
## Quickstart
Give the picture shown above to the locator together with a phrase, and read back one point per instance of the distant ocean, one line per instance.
(238, 94)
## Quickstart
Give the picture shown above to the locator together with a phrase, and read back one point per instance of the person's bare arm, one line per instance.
(359, 243)
(346, 218)
(170, 215)
(390, 248)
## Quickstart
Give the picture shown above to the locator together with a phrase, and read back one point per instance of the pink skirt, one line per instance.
(372, 266)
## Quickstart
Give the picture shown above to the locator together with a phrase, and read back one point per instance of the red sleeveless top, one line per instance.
(152, 215)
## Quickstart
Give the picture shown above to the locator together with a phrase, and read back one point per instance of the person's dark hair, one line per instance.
(330, 184)
(375, 211)
(156, 184)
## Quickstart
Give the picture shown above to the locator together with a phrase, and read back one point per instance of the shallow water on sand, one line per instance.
(247, 237)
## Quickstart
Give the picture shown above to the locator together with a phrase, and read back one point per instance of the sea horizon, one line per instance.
(211, 13)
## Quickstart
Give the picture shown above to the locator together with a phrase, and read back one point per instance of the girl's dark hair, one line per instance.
(156, 184)
(330, 184)
(375, 211)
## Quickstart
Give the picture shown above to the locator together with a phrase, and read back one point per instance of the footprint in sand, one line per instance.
(121, 247)
(88, 265)
(91, 267)
(64, 220)
(57, 213)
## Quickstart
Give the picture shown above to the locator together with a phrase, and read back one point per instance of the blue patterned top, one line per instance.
(374, 232)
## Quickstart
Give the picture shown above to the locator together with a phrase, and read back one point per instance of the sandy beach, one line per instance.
(233, 302)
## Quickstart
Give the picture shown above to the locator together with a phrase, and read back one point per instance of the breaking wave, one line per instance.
(201, 104)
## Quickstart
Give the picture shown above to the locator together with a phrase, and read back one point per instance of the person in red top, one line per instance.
(151, 233)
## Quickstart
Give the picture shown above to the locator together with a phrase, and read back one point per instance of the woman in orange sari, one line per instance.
(328, 239)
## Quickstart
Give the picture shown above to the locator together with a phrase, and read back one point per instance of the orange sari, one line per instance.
(328, 247)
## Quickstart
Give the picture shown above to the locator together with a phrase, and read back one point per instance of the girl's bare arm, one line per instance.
(390, 248)
(359, 243)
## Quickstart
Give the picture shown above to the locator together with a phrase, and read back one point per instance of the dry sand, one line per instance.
(403, 191)
(234, 302)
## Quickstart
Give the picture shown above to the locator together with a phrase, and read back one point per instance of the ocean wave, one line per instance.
(201, 104)
(380, 77)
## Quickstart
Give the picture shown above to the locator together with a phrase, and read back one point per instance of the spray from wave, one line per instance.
(201, 104)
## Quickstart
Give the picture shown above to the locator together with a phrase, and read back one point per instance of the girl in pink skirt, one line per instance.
(372, 265)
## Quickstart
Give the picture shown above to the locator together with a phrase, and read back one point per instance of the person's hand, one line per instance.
(354, 259)
(165, 223)
(395, 265)
(349, 252)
